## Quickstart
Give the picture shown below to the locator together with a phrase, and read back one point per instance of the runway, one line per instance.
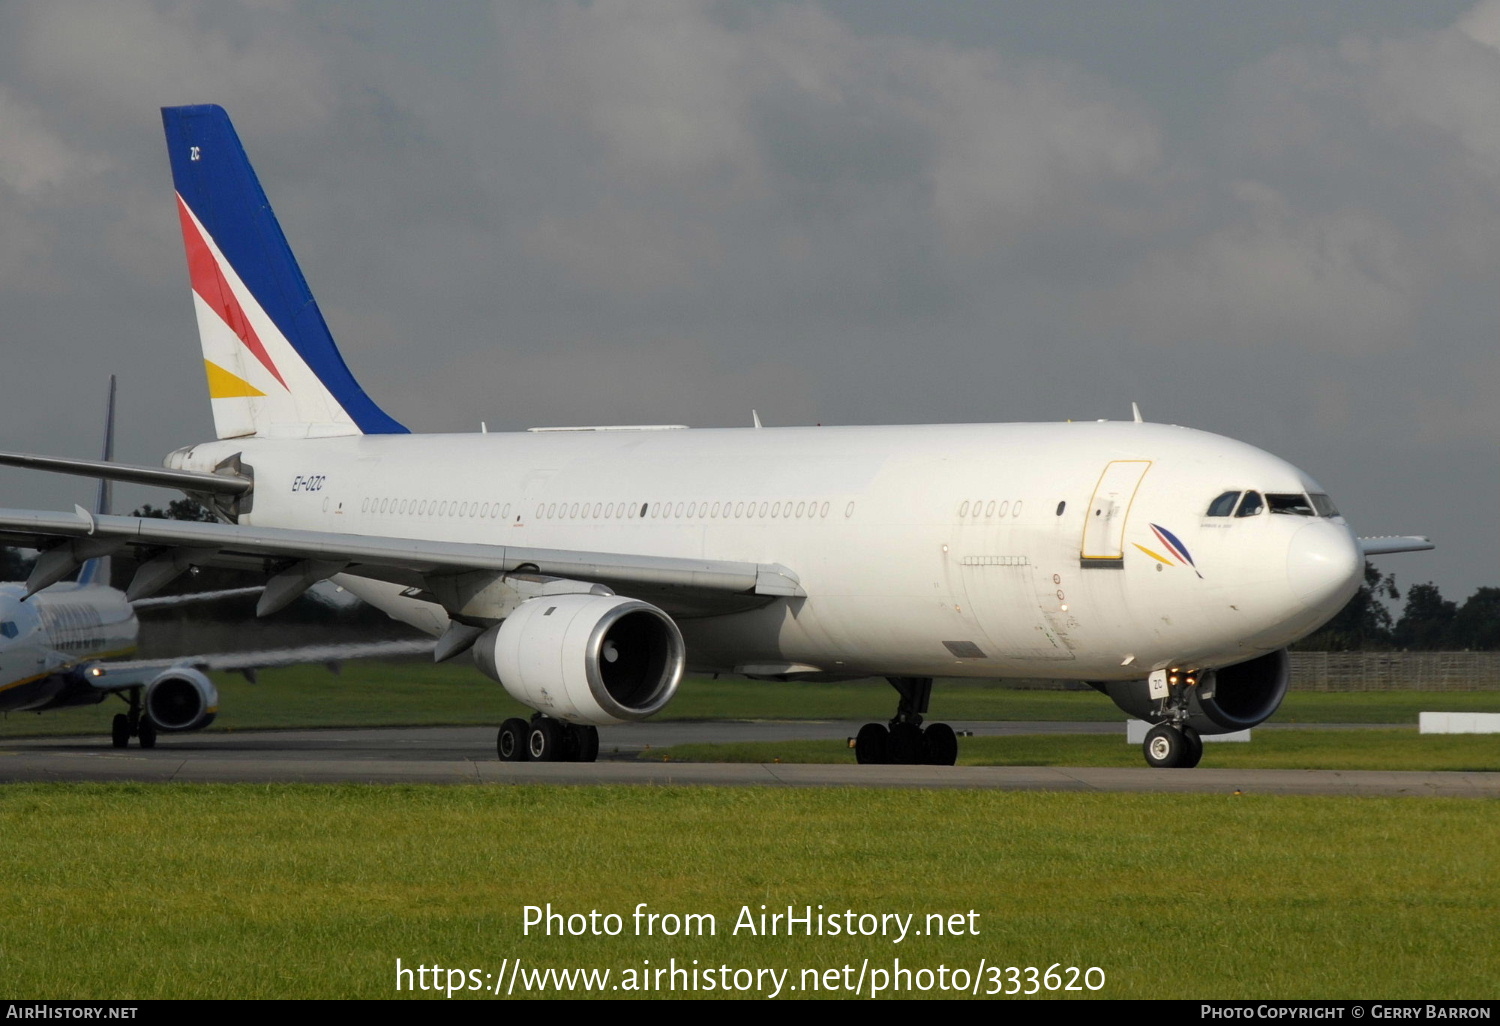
(466, 755)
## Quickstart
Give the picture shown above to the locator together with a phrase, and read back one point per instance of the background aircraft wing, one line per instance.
(116, 675)
(296, 559)
(1404, 543)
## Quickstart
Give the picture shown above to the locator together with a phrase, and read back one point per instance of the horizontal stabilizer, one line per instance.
(183, 480)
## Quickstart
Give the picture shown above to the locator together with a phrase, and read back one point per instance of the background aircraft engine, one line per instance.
(1227, 699)
(595, 659)
(182, 699)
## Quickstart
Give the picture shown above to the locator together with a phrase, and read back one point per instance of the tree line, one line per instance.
(1427, 621)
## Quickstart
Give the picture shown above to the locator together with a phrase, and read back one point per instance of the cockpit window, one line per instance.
(1295, 505)
(1251, 505)
(8, 628)
(1323, 504)
(1223, 506)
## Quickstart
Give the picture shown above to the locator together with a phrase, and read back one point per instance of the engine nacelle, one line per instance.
(181, 699)
(596, 659)
(1231, 698)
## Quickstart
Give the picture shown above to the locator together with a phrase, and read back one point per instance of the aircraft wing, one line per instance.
(298, 558)
(1404, 543)
(116, 675)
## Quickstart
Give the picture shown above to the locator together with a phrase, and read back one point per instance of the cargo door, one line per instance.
(1104, 531)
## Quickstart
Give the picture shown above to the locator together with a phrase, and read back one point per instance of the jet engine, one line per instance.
(595, 659)
(181, 699)
(1217, 701)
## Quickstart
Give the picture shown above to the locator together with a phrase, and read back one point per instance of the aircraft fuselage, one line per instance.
(1036, 550)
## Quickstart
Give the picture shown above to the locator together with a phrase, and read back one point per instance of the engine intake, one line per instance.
(595, 659)
(1225, 700)
(182, 699)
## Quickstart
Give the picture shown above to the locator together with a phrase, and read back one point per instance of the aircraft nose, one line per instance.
(1324, 566)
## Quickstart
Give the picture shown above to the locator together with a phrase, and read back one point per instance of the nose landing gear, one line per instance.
(1169, 747)
(134, 724)
(903, 741)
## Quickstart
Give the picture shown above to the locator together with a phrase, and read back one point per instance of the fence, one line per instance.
(1392, 671)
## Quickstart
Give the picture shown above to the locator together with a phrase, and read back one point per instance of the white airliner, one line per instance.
(588, 567)
(61, 646)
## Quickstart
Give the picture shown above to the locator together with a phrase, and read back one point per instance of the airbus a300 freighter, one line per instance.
(587, 568)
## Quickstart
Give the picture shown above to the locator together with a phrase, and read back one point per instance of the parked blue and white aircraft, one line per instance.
(62, 646)
(588, 567)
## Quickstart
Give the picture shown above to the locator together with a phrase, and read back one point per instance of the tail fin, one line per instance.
(273, 368)
(97, 570)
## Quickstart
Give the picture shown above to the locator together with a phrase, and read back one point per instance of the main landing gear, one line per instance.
(545, 739)
(133, 724)
(1169, 747)
(904, 742)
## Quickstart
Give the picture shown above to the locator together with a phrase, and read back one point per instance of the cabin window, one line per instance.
(1062, 506)
(1250, 505)
(1223, 506)
(1294, 505)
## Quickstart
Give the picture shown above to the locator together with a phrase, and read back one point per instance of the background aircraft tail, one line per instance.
(273, 368)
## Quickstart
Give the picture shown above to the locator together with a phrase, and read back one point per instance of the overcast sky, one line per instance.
(1279, 221)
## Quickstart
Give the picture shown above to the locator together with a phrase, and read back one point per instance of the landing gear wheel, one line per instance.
(544, 742)
(871, 745)
(1194, 751)
(119, 730)
(585, 743)
(510, 743)
(1165, 747)
(906, 744)
(147, 733)
(939, 745)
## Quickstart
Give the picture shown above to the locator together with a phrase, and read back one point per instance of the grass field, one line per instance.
(415, 693)
(135, 891)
